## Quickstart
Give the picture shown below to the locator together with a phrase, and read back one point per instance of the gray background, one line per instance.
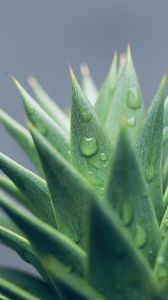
(41, 37)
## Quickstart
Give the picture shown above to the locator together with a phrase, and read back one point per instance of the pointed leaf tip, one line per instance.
(164, 79)
(33, 82)
(129, 51)
(84, 69)
(72, 75)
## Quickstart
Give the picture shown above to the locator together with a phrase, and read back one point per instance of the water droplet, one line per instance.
(134, 98)
(88, 146)
(140, 236)
(103, 156)
(131, 122)
(126, 213)
(85, 115)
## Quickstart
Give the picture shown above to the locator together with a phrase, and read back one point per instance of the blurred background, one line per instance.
(41, 37)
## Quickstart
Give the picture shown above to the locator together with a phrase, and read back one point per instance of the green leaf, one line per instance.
(165, 174)
(69, 191)
(6, 222)
(165, 129)
(88, 85)
(45, 239)
(70, 285)
(45, 124)
(128, 197)
(4, 298)
(127, 100)
(7, 186)
(122, 61)
(165, 201)
(49, 105)
(30, 283)
(35, 191)
(116, 268)
(90, 146)
(10, 290)
(22, 246)
(161, 266)
(149, 148)
(23, 138)
(105, 98)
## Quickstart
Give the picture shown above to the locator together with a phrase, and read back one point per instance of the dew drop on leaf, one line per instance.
(140, 237)
(126, 213)
(134, 98)
(86, 116)
(88, 146)
(131, 122)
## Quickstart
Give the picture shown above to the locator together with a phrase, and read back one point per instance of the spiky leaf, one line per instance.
(49, 105)
(105, 98)
(127, 100)
(71, 286)
(71, 204)
(44, 123)
(149, 148)
(128, 197)
(112, 253)
(90, 146)
(23, 138)
(35, 191)
(29, 283)
(14, 292)
(88, 85)
(37, 232)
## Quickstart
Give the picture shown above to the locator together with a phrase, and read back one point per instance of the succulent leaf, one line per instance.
(55, 243)
(6, 222)
(127, 100)
(14, 292)
(149, 148)
(23, 138)
(44, 123)
(49, 105)
(8, 187)
(128, 197)
(90, 146)
(71, 285)
(34, 189)
(30, 283)
(88, 86)
(105, 98)
(69, 191)
(112, 253)
(96, 226)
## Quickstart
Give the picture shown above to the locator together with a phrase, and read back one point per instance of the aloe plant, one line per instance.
(93, 219)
